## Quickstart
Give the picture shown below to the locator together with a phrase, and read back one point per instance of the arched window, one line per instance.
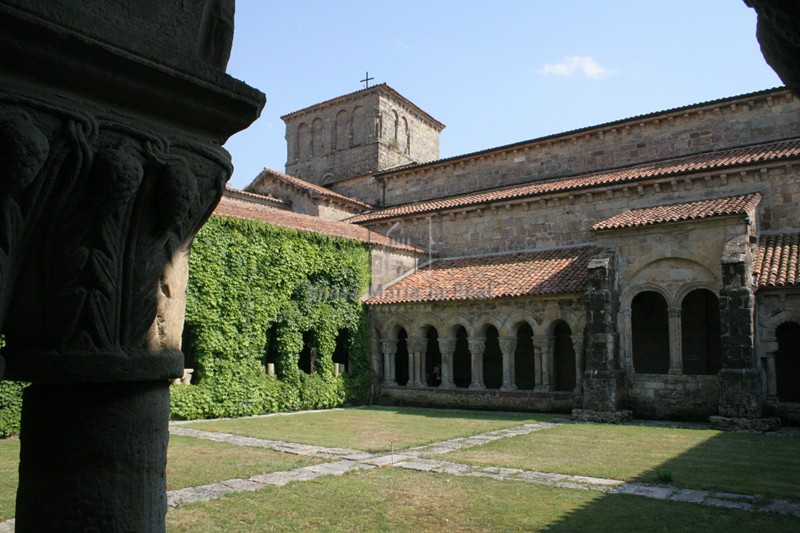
(650, 333)
(563, 358)
(358, 127)
(395, 127)
(462, 360)
(404, 136)
(308, 355)
(787, 362)
(700, 331)
(492, 360)
(317, 138)
(401, 358)
(433, 358)
(341, 354)
(271, 349)
(524, 359)
(340, 137)
(303, 145)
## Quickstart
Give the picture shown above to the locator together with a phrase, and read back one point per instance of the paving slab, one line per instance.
(648, 491)
(782, 507)
(691, 496)
(729, 504)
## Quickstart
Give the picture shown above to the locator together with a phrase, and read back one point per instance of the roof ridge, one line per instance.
(646, 170)
(303, 184)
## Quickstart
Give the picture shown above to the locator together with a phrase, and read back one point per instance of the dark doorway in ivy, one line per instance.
(308, 355)
(341, 354)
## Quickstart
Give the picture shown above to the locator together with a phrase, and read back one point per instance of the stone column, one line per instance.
(447, 346)
(111, 128)
(544, 345)
(389, 349)
(476, 348)
(416, 353)
(772, 378)
(675, 341)
(577, 345)
(507, 346)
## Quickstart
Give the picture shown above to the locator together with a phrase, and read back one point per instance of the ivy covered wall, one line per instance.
(260, 294)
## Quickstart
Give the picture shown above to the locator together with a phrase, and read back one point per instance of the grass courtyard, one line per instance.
(393, 499)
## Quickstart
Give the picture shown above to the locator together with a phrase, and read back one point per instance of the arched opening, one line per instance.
(787, 362)
(357, 127)
(340, 137)
(317, 138)
(462, 360)
(308, 355)
(700, 331)
(303, 146)
(187, 347)
(401, 358)
(341, 354)
(271, 350)
(433, 358)
(650, 333)
(524, 359)
(492, 360)
(563, 358)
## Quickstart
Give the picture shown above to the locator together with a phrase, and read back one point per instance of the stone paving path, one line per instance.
(419, 458)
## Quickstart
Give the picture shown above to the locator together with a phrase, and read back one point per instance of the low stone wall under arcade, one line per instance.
(672, 397)
(519, 400)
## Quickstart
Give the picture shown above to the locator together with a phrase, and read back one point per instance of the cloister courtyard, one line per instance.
(398, 469)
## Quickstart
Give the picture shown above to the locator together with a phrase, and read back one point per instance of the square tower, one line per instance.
(366, 131)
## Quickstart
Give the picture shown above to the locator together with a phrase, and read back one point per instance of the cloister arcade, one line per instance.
(505, 350)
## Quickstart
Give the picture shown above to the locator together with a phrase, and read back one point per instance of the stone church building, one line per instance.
(647, 265)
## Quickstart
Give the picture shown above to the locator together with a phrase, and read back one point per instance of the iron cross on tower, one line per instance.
(366, 80)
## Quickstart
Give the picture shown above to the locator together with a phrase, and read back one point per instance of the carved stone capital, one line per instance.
(389, 347)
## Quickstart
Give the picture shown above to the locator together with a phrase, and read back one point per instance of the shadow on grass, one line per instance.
(760, 467)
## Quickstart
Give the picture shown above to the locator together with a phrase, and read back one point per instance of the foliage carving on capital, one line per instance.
(113, 202)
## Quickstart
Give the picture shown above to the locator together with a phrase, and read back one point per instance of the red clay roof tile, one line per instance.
(776, 261)
(686, 165)
(482, 278)
(732, 205)
(312, 189)
(232, 207)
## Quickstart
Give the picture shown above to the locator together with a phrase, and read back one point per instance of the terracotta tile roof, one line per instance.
(769, 152)
(776, 261)
(256, 197)
(309, 188)
(732, 205)
(234, 207)
(584, 130)
(482, 278)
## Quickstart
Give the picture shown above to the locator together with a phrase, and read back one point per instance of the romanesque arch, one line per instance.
(307, 361)
(787, 362)
(357, 127)
(524, 358)
(340, 136)
(462, 358)
(433, 358)
(492, 360)
(341, 353)
(650, 333)
(701, 345)
(317, 137)
(564, 359)
(303, 143)
(401, 358)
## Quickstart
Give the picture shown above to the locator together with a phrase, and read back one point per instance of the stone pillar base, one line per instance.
(602, 417)
(96, 454)
(729, 423)
(741, 394)
(603, 390)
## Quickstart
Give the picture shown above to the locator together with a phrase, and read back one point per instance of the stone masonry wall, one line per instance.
(672, 397)
(734, 122)
(368, 131)
(567, 219)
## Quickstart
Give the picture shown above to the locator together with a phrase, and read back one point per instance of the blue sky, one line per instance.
(493, 72)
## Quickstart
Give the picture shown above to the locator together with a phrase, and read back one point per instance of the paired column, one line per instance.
(675, 341)
(476, 348)
(543, 347)
(577, 345)
(507, 347)
(389, 349)
(416, 361)
(447, 346)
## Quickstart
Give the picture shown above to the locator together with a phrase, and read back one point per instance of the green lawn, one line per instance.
(192, 462)
(765, 465)
(9, 476)
(373, 429)
(390, 499)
